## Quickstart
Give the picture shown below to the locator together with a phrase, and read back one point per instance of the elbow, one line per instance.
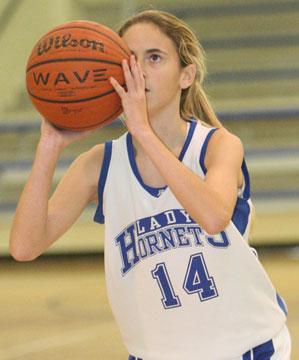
(21, 254)
(217, 224)
(213, 229)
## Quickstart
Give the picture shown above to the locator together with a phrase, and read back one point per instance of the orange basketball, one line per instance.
(68, 71)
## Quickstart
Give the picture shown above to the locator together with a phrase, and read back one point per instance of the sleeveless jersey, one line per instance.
(176, 291)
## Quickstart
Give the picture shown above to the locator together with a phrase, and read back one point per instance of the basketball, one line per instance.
(68, 71)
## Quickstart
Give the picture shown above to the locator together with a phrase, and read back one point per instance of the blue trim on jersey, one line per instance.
(204, 150)
(153, 190)
(247, 356)
(188, 139)
(240, 216)
(99, 215)
(264, 351)
(134, 358)
(282, 304)
(241, 213)
(246, 193)
(260, 352)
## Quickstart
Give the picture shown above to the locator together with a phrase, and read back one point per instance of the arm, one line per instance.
(38, 222)
(210, 202)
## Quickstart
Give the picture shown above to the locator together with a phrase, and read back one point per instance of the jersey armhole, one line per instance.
(99, 215)
(204, 150)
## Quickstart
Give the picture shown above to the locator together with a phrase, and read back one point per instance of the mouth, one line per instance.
(146, 90)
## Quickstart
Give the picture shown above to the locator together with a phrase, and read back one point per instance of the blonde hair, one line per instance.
(194, 102)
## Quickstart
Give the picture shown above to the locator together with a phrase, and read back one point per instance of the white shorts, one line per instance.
(278, 348)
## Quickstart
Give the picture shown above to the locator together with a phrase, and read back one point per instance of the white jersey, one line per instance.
(176, 291)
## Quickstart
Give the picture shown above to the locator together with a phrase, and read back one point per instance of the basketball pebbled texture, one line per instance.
(68, 71)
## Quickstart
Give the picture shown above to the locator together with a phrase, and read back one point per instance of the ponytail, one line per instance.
(194, 103)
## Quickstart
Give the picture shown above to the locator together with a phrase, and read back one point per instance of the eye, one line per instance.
(155, 57)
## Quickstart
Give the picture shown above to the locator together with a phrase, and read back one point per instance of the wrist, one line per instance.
(51, 146)
(142, 133)
(149, 141)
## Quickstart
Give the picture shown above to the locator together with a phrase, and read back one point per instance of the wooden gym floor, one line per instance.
(57, 307)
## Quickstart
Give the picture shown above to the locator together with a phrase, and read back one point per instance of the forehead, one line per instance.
(143, 36)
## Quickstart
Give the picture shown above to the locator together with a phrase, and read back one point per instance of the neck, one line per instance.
(171, 130)
(168, 124)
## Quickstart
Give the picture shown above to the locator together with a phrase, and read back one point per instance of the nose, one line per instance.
(142, 66)
(143, 73)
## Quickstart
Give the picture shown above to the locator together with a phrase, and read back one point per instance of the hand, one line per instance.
(60, 137)
(134, 99)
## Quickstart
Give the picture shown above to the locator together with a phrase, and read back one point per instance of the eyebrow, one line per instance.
(151, 51)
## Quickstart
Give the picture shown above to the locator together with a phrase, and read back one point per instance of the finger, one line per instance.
(117, 87)
(134, 68)
(142, 76)
(128, 77)
(137, 73)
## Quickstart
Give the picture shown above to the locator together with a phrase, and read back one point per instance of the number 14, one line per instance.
(197, 280)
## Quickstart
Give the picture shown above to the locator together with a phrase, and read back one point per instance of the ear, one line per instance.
(187, 76)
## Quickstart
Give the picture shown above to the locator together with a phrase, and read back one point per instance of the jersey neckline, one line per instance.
(157, 191)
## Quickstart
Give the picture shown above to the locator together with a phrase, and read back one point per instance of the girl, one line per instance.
(174, 194)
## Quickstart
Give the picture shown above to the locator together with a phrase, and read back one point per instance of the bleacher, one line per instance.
(253, 83)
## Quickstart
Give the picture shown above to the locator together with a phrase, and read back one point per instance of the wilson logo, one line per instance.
(67, 41)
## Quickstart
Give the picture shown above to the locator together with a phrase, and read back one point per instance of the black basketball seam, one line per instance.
(72, 101)
(91, 126)
(86, 28)
(73, 59)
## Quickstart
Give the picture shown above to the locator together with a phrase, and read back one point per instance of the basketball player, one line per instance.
(174, 194)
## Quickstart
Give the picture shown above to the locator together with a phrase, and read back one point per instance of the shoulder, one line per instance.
(224, 146)
(92, 159)
(223, 136)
